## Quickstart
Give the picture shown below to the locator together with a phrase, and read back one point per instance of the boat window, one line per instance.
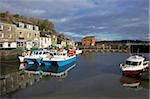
(131, 63)
(44, 52)
(64, 54)
(145, 63)
(134, 63)
(36, 53)
(140, 63)
(47, 52)
(40, 52)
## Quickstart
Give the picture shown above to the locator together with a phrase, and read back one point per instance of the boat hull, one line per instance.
(64, 63)
(58, 69)
(135, 72)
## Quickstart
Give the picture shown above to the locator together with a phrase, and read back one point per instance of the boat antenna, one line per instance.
(137, 51)
(130, 52)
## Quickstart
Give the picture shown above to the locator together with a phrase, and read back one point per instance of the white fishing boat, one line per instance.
(34, 56)
(78, 52)
(134, 65)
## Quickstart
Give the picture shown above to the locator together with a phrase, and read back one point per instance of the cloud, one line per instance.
(35, 11)
(72, 34)
(59, 20)
(134, 24)
(5, 5)
(105, 19)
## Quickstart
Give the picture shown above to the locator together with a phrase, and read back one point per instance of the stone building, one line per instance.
(88, 41)
(19, 35)
(27, 36)
(7, 36)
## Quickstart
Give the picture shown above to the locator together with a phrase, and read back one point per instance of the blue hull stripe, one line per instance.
(59, 63)
(56, 69)
(62, 63)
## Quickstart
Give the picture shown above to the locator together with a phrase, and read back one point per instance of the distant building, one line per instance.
(19, 35)
(63, 43)
(45, 40)
(70, 43)
(7, 36)
(54, 39)
(27, 36)
(88, 40)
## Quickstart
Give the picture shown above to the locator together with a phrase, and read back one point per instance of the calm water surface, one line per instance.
(96, 75)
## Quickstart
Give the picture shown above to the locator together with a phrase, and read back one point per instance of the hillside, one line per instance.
(44, 24)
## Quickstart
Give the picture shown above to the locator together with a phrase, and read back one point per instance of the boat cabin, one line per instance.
(64, 53)
(60, 54)
(135, 60)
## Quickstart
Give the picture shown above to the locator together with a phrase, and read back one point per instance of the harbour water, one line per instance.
(95, 76)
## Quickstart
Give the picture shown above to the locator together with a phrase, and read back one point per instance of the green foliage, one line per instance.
(45, 25)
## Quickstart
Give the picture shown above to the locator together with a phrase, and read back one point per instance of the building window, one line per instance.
(20, 33)
(45, 40)
(8, 44)
(8, 28)
(1, 27)
(33, 28)
(1, 45)
(1, 35)
(25, 26)
(9, 36)
(29, 35)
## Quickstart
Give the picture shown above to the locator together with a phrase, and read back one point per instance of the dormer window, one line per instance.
(25, 26)
(21, 25)
(33, 28)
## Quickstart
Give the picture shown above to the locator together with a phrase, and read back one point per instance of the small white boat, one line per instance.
(134, 65)
(78, 52)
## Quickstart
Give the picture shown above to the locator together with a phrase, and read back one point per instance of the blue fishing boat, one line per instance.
(60, 58)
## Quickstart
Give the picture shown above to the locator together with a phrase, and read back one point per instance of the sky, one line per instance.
(104, 19)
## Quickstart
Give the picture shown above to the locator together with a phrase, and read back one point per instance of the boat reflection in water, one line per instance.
(52, 70)
(29, 75)
(137, 83)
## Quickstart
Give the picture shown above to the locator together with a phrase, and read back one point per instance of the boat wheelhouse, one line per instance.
(134, 65)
